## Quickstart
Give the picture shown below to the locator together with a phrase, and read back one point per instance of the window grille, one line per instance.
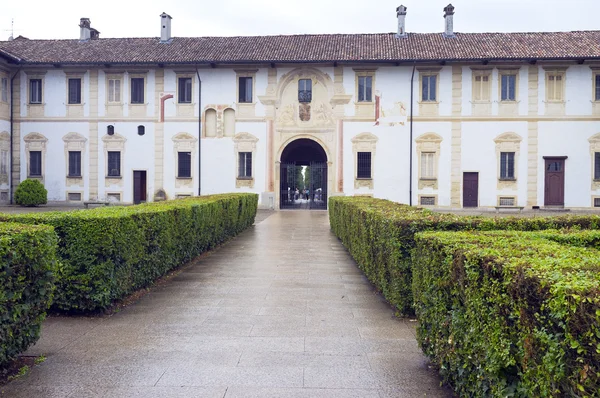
(245, 165)
(506, 201)
(245, 89)
(429, 88)
(363, 169)
(35, 91)
(507, 165)
(137, 90)
(508, 87)
(365, 88)
(35, 163)
(74, 164)
(114, 164)
(184, 164)
(428, 200)
(185, 90)
(304, 90)
(74, 197)
(74, 91)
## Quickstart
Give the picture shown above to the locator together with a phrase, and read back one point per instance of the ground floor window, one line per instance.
(245, 165)
(184, 164)
(114, 163)
(74, 163)
(507, 165)
(363, 169)
(35, 163)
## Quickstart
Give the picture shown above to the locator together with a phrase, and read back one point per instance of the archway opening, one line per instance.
(303, 176)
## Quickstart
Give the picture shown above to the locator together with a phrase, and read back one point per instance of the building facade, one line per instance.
(446, 120)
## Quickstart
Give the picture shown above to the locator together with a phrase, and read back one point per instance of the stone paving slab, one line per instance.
(280, 311)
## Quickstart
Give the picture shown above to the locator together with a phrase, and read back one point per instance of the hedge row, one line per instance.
(27, 265)
(510, 314)
(379, 234)
(107, 253)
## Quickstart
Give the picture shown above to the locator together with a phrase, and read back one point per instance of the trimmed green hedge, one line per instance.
(379, 235)
(511, 313)
(27, 265)
(107, 253)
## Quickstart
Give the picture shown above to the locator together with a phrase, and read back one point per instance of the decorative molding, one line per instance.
(364, 142)
(244, 142)
(508, 142)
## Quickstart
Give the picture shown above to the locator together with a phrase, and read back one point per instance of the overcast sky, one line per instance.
(43, 19)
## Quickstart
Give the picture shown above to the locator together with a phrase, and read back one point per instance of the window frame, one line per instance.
(479, 91)
(596, 85)
(4, 89)
(371, 78)
(131, 92)
(428, 75)
(239, 87)
(363, 175)
(78, 95)
(185, 100)
(433, 166)
(303, 92)
(114, 78)
(179, 164)
(77, 165)
(596, 166)
(507, 173)
(553, 75)
(501, 74)
(108, 169)
(30, 165)
(40, 100)
(243, 173)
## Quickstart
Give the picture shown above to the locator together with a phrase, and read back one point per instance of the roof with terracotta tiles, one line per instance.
(308, 48)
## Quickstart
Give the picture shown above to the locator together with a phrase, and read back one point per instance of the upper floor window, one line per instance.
(363, 165)
(114, 163)
(429, 88)
(304, 90)
(481, 85)
(597, 87)
(35, 163)
(555, 86)
(184, 164)
(185, 90)
(507, 165)
(137, 90)
(365, 88)
(4, 89)
(114, 90)
(35, 91)
(74, 91)
(245, 165)
(74, 163)
(508, 87)
(245, 89)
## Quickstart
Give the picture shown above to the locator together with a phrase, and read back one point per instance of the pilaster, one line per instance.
(159, 134)
(456, 141)
(93, 136)
(532, 137)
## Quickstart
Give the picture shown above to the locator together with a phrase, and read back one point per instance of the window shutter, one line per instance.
(248, 164)
(241, 164)
(485, 88)
(368, 88)
(503, 165)
(432, 88)
(117, 96)
(558, 96)
(511, 165)
(425, 89)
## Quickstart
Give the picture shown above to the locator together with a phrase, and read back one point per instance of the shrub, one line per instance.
(31, 193)
(27, 266)
(510, 313)
(107, 253)
(379, 235)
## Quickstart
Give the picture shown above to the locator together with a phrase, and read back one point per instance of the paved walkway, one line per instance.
(280, 311)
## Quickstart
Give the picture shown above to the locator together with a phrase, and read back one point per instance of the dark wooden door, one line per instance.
(139, 186)
(470, 189)
(554, 187)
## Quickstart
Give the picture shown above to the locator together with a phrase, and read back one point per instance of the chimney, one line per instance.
(165, 27)
(449, 20)
(94, 34)
(401, 14)
(84, 29)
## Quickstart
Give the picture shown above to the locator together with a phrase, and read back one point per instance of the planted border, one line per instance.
(510, 313)
(27, 266)
(107, 253)
(379, 235)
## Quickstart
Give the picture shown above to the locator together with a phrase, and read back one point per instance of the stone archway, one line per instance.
(303, 180)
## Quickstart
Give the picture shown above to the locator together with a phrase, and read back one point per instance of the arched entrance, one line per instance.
(303, 176)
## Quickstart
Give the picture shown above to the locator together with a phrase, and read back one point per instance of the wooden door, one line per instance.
(554, 187)
(470, 189)
(139, 186)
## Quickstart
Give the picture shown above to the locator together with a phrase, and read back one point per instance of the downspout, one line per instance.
(410, 186)
(12, 121)
(199, 133)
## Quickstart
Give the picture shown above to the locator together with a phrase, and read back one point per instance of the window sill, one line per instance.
(75, 177)
(184, 178)
(246, 103)
(555, 101)
(507, 101)
(428, 179)
(115, 177)
(186, 103)
(429, 102)
(364, 178)
(485, 102)
(245, 178)
(36, 103)
(507, 179)
(37, 177)
(77, 104)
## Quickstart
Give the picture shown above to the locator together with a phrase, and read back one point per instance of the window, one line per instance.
(304, 90)
(74, 91)
(245, 89)
(114, 90)
(427, 200)
(185, 90)
(4, 163)
(4, 89)
(137, 90)
(481, 87)
(114, 163)
(508, 87)
(35, 91)
(74, 196)
(35, 163)
(245, 165)
(363, 169)
(428, 165)
(184, 162)
(365, 88)
(555, 86)
(141, 130)
(596, 165)
(507, 165)
(596, 87)
(429, 87)
(74, 163)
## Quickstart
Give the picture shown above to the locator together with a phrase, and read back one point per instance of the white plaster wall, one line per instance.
(101, 93)
(169, 168)
(467, 91)
(260, 87)
(150, 94)
(523, 91)
(479, 155)
(579, 90)
(568, 139)
(445, 91)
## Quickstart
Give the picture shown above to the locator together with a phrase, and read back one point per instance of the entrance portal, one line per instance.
(303, 176)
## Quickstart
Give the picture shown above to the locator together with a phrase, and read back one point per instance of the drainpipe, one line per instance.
(410, 189)
(12, 105)
(199, 133)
